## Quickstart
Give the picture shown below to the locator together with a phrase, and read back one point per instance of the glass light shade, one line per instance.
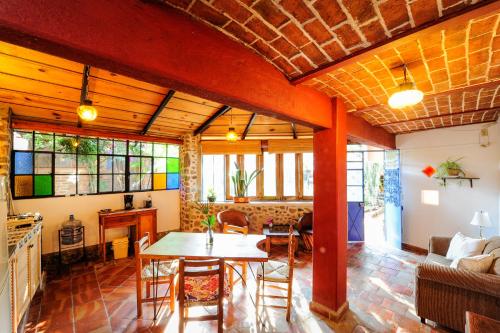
(86, 111)
(407, 95)
(231, 135)
(481, 219)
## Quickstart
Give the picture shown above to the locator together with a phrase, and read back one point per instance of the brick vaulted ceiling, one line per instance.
(458, 68)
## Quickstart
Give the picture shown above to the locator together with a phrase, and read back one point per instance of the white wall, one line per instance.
(457, 204)
(56, 210)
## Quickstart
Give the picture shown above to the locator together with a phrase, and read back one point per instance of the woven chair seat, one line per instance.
(165, 270)
(274, 271)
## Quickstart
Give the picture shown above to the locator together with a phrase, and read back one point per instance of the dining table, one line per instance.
(193, 246)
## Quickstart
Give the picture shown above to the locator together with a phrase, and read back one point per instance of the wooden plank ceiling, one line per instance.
(456, 66)
(44, 88)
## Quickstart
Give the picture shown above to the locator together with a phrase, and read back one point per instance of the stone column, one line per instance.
(190, 164)
(5, 136)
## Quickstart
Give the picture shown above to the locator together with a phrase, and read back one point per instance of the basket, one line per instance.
(120, 248)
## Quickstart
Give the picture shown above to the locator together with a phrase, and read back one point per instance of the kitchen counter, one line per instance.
(19, 235)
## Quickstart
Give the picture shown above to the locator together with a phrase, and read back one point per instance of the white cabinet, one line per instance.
(25, 272)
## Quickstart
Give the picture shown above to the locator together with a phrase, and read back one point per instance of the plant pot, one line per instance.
(454, 172)
(241, 199)
(211, 199)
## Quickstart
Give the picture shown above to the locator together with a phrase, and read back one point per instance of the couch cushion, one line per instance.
(462, 246)
(495, 267)
(492, 244)
(478, 264)
(436, 259)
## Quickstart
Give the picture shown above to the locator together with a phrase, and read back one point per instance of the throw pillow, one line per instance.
(462, 246)
(478, 264)
(495, 267)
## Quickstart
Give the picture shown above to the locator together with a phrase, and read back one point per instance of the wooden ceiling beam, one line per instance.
(247, 128)
(158, 111)
(111, 41)
(436, 116)
(212, 118)
(294, 130)
(480, 9)
(74, 130)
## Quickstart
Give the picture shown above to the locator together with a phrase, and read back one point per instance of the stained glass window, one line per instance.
(48, 164)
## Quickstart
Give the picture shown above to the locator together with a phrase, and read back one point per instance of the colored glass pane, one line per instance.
(44, 142)
(23, 186)
(23, 140)
(65, 184)
(23, 163)
(160, 165)
(160, 181)
(172, 181)
(173, 151)
(172, 165)
(43, 185)
(160, 150)
(43, 163)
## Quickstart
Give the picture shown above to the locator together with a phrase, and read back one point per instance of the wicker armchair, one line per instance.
(444, 294)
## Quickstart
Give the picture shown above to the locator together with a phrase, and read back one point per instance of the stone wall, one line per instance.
(5, 138)
(190, 170)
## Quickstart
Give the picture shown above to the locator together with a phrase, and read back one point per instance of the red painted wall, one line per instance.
(330, 211)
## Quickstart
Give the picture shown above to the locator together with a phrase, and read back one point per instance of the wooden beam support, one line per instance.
(359, 130)
(161, 52)
(247, 128)
(212, 118)
(294, 130)
(66, 129)
(437, 116)
(482, 8)
(158, 111)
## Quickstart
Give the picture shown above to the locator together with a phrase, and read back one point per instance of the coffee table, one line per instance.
(278, 234)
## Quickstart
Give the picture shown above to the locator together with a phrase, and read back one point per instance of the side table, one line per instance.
(279, 236)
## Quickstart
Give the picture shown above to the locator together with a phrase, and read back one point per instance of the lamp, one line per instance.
(231, 135)
(407, 95)
(481, 219)
(86, 111)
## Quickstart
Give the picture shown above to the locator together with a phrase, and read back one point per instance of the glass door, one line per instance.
(392, 199)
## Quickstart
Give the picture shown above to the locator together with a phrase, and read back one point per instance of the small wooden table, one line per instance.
(279, 237)
(143, 219)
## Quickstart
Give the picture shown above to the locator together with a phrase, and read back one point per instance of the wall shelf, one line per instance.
(470, 179)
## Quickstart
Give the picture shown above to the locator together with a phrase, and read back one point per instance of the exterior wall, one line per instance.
(457, 203)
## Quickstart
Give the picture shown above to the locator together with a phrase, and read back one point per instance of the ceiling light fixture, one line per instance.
(407, 95)
(231, 135)
(86, 111)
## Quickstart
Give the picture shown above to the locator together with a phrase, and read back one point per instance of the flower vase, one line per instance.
(210, 237)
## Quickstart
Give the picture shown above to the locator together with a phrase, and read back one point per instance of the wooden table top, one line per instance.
(278, 233)
(193, 246)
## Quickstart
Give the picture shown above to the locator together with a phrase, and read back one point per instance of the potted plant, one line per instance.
(241, 181)
(450, 168)
(211, 197)
(209, 221)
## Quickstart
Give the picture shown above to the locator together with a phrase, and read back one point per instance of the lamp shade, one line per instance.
(481, 219)
(407, 95)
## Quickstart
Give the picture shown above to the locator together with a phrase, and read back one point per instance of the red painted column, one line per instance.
(329, 295)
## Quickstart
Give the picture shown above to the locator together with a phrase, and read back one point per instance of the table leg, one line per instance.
(268, 245)
(104, 244)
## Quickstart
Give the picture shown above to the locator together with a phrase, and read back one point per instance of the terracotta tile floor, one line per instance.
(101, 298)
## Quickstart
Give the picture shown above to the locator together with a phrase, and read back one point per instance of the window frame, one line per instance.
(53, 152)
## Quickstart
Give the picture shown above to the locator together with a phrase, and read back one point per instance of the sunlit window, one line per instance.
(213, 176)
(250, 162)
(289, 175)
(307, 174)
(269, 175)
(232, 172)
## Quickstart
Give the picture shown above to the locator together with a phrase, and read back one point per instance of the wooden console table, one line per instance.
(144, 220)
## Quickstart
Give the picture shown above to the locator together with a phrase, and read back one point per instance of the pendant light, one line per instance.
(407, 95)
(231, 135)
(86, 111)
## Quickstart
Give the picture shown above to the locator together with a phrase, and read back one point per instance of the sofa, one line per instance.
(444, 294)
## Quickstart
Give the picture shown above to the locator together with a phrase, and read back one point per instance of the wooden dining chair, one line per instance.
(232, 229)
(277, 273)
(201, 283)
(167, 273)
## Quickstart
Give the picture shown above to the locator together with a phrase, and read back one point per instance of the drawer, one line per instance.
(112, 221)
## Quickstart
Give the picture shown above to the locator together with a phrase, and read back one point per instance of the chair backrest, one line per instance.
(305, 222)
(291, 250)
(232, 217)
(212, 267)
(232, 229)
(139, 246)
